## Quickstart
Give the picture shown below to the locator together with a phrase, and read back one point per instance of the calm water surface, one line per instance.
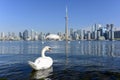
(75, 60)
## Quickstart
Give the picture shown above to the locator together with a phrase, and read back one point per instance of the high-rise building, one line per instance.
(66, 25)
(35, 36)
(25, 35)
(117, 34)
(71, 33)
(76, 36)
(82, 35)
(20, 35)
(106, 34)
(112, 31)
(109, 34)
(95, 27)
(88, 35)
(98, 34)
(79, 32)
(40, 36)
(2, 36)
(95, 35)
(32, 34)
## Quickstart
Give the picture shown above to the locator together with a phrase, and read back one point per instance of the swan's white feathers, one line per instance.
(45, 62)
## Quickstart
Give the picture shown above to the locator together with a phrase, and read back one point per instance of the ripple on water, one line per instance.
(88, 75)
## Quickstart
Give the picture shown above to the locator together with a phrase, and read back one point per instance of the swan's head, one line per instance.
(47, 48)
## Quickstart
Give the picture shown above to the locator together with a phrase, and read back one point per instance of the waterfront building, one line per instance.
(84, 34)
(101, 31)
(71, 33)
(35, 36)
(81, 35)
(109, 33)
(41, 36)
(32, 36)
(112, 32)
(61, 35)
(20, 35)
(76, 36)
(106, 34)
(88, 35)
(2, 36)
(92, 35)
(26, 35)
(95, 35)
(13, 35)
(79, 32)
(107, 27)
(52, 37)
(117, 35)
(98, 34)
(96, 27)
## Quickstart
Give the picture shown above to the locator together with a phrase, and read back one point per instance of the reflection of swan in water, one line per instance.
(69, 42)
(42, 62)
(41, 74)
(79, 42)
(42, 42)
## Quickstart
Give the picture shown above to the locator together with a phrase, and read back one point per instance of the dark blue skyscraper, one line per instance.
(20, 35)
(25, 35)
(71, 33)
(112, 32)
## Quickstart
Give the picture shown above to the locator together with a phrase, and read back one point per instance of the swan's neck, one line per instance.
(43, 53)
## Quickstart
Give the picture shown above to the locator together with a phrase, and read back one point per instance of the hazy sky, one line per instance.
(48, 15)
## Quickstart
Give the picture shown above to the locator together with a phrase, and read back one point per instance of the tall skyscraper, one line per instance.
(82, 35)
(25, 35)
(112, 31)
(2, 36)
(66, 25)
(71, 33)
(20, 35)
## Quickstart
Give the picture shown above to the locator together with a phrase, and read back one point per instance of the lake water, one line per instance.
(75, 60)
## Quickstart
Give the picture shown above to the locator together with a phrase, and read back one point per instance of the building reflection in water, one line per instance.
(97, 48)
(19, 47)
(94, 48)
(41, 74)
(66, 52)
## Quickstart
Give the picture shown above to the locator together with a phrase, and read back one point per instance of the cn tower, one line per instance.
(66, 25)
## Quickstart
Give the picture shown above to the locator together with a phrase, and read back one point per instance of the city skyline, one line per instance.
(97, 32)
(48, 16)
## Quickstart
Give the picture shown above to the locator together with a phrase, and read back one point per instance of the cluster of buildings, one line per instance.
(97, 32)
(28, 35)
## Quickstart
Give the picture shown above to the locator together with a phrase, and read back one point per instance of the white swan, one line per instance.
(42, 62)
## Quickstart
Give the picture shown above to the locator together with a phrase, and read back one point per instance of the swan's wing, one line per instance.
(32, 64)
(38, 60)
(44, 60)
(43, 63)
